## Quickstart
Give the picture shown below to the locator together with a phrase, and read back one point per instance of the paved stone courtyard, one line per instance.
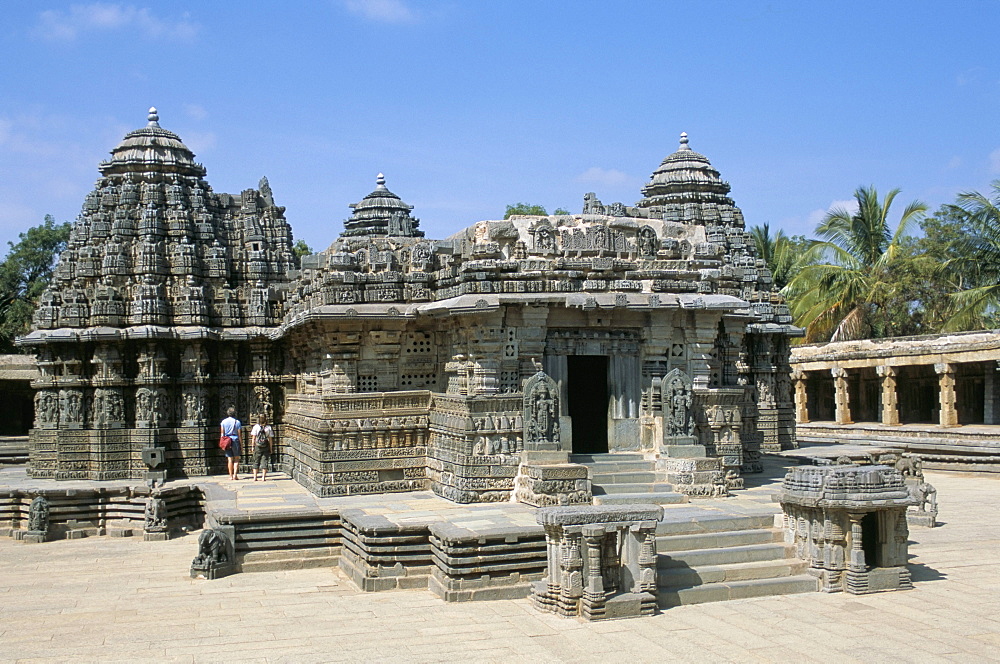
(125, 599)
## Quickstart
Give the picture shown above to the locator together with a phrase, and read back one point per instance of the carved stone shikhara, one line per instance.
(602, 561)
(849, 522)
(392, 362)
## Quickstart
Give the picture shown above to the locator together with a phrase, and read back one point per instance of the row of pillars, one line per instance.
(947, 411)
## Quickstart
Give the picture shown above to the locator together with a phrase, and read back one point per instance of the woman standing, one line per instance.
(231, 427)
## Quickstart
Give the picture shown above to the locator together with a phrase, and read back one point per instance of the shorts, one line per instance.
(261, 458)
(234, 449)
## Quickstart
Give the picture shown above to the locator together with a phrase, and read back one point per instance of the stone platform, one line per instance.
(719, 549)
(58, 605)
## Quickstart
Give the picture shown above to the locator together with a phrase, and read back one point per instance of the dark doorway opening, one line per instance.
(870, 541)
(587, 394)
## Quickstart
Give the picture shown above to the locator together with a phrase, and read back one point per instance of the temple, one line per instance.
(392, 362)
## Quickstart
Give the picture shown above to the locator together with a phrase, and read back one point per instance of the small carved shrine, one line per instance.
(602, 561)
(849, 522)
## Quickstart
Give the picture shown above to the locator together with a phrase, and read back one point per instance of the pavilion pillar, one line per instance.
(801, 397)
(841, 396)
(890, 399)
(948, 414)
(990, 411)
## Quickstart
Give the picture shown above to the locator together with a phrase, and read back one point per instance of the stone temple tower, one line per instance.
(156, 316)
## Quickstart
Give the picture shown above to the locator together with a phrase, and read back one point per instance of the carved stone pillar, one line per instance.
(801, 397)
(856, 562)
(991, 414)
(948, 414)
(890, 399)
(842, 398)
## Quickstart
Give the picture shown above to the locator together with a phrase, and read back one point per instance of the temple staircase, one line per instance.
(627, 478)
(730, 556)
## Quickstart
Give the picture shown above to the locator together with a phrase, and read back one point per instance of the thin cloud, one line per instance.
(816, 216)
(607, 177)
(381, 11)
(200, 142)
(995, 161)
(66, 26)
(195, 111)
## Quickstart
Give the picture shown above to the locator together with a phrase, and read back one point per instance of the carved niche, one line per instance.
(676, 400)
(541, 412)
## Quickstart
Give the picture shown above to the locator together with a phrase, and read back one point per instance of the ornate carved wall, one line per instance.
(393, 362)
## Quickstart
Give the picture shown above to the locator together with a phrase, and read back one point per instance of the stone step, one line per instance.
(605, 458)
(622, 478)
(677, 578)
(661, 498)
(640, 487)
(689, 519)
(696, 541)
(720, 592)
(621, 467)
(724, 555)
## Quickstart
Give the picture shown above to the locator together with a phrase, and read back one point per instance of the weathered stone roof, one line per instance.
(152, 148)
(685, 176)
(381, 213)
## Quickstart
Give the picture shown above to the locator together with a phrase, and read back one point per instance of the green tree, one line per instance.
(300, 249)
(781, 254)
(848, 286)
(24, 274)
(977, 258)
(524, 208)
(562, 211)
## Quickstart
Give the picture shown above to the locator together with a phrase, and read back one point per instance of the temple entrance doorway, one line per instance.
(587, 397)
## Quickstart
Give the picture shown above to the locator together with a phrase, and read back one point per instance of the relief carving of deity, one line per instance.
(677, 399)
(541, 411)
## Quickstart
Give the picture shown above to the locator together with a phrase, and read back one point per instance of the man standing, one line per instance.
(262, 436)
(231, 427)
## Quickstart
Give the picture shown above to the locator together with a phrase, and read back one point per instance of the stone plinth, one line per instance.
(547, 485)
(601, 561)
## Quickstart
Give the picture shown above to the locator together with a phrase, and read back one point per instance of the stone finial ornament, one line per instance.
(153, 118)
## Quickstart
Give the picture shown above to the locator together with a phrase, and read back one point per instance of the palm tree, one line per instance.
(778, 252)
(849, 276)
(978, 261)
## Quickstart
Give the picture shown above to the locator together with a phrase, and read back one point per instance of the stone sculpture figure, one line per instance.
(647, 242)
(212, 549)
(156, 515)
(38, 515)
(591, 204)
(541, 412)
(925, 495)
(676, 397)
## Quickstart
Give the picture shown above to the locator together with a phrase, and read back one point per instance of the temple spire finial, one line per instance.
(154, 119)
(380, 180)
(684, 141)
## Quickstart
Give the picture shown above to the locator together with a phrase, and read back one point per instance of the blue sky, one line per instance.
(469, 105)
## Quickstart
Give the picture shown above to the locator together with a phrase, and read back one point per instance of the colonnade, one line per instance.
(947, 394)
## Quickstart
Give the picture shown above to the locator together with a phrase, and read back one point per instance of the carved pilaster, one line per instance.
(841, 395)
(948, 414)
(890, 398)
(801, 397)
